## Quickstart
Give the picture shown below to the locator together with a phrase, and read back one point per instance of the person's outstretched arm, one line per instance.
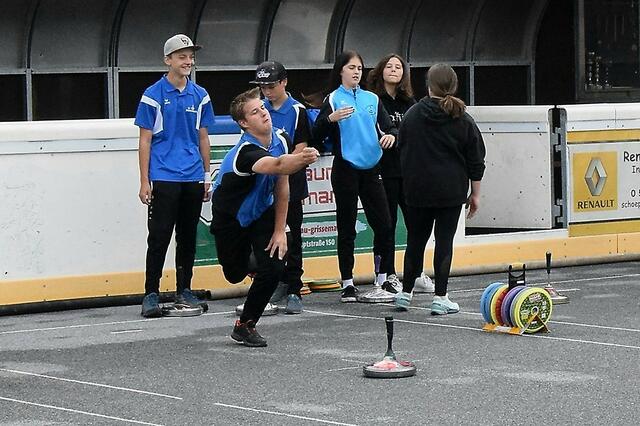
(285, 164)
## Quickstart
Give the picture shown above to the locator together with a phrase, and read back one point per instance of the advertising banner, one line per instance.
(604, 181)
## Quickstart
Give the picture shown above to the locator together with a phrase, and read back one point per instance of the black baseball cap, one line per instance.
(270, 72)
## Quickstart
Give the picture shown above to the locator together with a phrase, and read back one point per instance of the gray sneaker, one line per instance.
(294, 304)
(279, 293)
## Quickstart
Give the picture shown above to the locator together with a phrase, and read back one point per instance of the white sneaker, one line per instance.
(423, 284)
(441, 305)
(270, 309)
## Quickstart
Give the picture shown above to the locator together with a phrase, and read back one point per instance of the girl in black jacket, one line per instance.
(390, 79)
(441, 151)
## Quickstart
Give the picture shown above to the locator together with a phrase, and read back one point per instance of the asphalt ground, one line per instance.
(110, 366)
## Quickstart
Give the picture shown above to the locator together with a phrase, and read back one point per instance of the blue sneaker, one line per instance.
(294, 304)
(150, 306)
(441, 305)
(402, 301)
(189, 300)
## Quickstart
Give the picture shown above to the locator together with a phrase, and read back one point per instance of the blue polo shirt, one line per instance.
(175, 118)
(292, 118)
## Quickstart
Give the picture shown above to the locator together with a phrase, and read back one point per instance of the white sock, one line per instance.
(347, 283)
(441, 298)
(381, 278)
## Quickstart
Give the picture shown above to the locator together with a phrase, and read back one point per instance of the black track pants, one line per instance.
(234, 245)
(293, 269)
(173, 204)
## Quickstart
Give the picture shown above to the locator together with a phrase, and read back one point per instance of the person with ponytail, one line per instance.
(441, 156)
(359, 128)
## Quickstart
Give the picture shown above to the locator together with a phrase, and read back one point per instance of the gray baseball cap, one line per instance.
(177, 42)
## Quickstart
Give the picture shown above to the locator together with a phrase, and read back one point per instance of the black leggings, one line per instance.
(349, 184)
(420, 222)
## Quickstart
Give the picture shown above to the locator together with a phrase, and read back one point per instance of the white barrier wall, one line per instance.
(69, 199)
(517, 188)
(70, 205)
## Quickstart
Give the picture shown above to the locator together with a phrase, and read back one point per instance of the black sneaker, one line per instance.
(389, 287)
(246, 334)
(349, 294)
(189, 300)
(150, 306)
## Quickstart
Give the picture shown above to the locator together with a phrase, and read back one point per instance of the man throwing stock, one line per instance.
(249, 205)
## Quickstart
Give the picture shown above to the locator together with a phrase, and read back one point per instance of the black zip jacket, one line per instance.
(439, 155)
(396, 108)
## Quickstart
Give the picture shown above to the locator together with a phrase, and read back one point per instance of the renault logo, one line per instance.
(595, 177)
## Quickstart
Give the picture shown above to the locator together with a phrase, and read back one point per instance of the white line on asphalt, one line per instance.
(276, 413)
(577, 324)
(99, 324)
(609, 277)
(462, 327)
(344, 368)
(605, 327)
(542, 284)
(480, 290)
(44, 376)
(137, 330)
(565, 339)
(69, 410)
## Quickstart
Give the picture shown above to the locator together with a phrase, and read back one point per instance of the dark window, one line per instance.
(419, 82)
(305, 85)
(131, 86)
(223, 86)
(611, 44)
(555, 57)
(69, 96)
(505, 85)
(12, 105)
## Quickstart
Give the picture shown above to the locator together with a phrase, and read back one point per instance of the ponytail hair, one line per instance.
(442, 81)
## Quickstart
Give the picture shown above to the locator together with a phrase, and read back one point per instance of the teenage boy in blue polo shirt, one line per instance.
(291, 116)
(249, 206)
(173, 116)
